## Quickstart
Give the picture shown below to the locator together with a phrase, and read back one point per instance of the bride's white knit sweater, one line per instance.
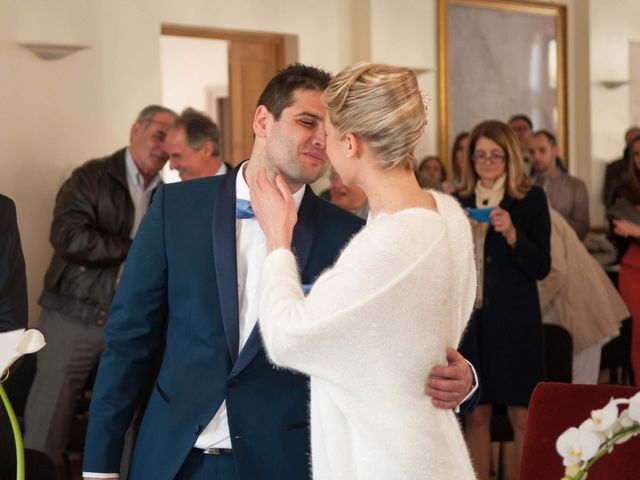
(368, 333)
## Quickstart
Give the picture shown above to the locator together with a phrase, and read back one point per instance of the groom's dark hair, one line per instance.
(278, 94)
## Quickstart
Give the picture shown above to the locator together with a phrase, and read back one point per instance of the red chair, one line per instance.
(554, 407)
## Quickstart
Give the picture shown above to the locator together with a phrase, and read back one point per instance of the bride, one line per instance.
(375, 323)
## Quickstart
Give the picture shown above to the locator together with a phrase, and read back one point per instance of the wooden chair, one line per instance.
(616, 356)
(555, 407)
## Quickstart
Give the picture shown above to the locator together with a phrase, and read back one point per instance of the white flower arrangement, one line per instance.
(581, 447)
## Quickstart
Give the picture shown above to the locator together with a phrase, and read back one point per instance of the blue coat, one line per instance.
(180, 278)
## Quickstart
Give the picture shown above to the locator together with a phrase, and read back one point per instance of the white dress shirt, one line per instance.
(141, 196)
(222, 169)
(251, 250)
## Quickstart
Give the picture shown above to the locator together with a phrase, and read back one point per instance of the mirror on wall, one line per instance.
(500, 58)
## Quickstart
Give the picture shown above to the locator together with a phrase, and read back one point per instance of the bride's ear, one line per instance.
(353, 145)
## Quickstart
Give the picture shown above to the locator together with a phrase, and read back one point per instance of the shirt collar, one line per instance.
(556, 173)
(242, 189)
(222, 169)
(135, 177)
(540, 180)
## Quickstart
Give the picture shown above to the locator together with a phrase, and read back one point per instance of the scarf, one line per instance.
(485, 198)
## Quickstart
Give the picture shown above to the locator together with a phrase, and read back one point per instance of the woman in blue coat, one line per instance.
(512, 246)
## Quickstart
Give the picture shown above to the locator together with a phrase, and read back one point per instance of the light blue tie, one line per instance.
(243, 209)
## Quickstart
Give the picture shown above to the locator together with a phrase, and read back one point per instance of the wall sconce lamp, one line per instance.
(49, 51)
(611, 84)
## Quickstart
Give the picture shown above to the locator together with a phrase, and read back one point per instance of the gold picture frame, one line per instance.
(502, 12)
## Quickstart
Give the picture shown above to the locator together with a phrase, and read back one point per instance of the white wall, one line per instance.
(612, 26)
(634, 83)
(404, 32)
(191, 66)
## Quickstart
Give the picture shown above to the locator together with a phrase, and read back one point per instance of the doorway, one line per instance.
(195, 74)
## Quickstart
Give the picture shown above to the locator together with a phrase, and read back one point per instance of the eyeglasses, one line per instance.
(494, 158)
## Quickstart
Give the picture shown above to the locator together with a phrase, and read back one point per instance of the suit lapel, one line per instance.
(225, 259)
(304, 231)
(303, 235)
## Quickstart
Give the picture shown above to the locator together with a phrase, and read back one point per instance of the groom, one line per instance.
(218, 408)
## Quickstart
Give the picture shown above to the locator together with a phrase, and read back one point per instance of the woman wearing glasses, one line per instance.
(512, 247)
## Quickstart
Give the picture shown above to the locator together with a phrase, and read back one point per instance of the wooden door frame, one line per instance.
(276, 39)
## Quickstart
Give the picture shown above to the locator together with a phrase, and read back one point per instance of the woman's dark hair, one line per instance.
(435, 158)
(457, 171)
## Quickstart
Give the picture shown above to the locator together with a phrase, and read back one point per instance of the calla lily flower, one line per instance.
(13, 345)
(16, 343)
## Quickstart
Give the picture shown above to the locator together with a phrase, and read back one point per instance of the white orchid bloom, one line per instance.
(578, 445)
(566, 446)
(634, 407)
(624, 422)
(605, 418)
(597, 435)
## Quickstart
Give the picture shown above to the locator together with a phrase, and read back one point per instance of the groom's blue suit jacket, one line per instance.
(180, 284)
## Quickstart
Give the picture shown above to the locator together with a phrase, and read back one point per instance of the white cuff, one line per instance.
(474, 387)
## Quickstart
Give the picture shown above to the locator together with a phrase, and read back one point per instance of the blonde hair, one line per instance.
(517, 184)
(383, 106)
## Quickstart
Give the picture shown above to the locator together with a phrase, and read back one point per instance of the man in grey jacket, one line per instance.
(96, 215)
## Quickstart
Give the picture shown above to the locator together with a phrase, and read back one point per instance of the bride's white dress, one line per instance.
(368, 334)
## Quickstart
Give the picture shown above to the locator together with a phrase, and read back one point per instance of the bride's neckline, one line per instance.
(409, 209)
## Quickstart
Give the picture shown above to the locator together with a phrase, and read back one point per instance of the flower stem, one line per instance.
(17, 437)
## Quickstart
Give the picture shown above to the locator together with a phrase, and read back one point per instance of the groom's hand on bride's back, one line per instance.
(450, 385)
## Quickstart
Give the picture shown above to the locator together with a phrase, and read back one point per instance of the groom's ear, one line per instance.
(262, 121)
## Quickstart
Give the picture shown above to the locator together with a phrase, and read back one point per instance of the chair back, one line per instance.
(617, 353)
(558, 347)
(555, 407)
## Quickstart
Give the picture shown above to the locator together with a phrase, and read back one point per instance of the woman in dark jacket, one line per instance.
(504, 339)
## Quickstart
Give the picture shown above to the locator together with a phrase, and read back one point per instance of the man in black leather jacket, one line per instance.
(97, 212)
